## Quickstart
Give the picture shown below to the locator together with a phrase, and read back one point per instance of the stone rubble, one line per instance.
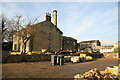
(75, 59)
(94, 74)
(67, 58)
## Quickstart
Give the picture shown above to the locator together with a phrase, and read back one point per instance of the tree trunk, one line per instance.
(24, 48)
(24, 45)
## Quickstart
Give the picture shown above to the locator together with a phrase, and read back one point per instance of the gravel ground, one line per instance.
(46, 70)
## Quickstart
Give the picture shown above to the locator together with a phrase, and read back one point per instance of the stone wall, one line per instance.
(69, 43)
(41, 38)
(110, 55)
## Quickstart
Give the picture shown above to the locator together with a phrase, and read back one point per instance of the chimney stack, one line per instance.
(55, 18)
(48, 17)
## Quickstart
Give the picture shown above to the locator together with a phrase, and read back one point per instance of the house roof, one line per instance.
(69, 38)
(33, 25)
(90, 41)
(49, 22)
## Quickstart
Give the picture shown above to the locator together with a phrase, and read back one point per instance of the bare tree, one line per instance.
(7, 28)
(25, 33)
(17, 26)
(3, 23)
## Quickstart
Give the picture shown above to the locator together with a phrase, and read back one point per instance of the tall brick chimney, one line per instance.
(48, 17)
(55, 18)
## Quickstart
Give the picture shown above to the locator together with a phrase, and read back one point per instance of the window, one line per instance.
(68, 42)
(18, 47)
(74, 43)
(50, 37)
(15, 46)
(81, 45)
(19, 38)
(15, 37)
(50, 46)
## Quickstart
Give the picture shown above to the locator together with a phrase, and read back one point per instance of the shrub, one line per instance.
(8, 58)
(117, 50)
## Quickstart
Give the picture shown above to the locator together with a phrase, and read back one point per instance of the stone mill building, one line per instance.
(46, 36)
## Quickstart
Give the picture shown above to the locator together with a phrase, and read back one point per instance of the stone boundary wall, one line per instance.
(110, 55)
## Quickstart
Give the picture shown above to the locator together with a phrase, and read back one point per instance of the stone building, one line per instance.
(45, 36)
(69, 44)
(103, 49)
(89, 44)
(117, 45)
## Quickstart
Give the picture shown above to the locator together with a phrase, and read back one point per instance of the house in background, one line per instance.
(46, 36)
(117, 45)
(103, 49)
(89, 44)
(69, 44)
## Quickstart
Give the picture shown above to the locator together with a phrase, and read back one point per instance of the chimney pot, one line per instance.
(48, 17)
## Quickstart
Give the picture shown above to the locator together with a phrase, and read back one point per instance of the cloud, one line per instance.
(11, 10)
(60, 1)
(82, 21)
(100, 23)
(73, 18)
(108, 42)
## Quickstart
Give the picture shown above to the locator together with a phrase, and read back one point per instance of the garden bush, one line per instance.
(8, 58)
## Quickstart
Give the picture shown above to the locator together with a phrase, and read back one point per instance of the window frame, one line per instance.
(50, 36)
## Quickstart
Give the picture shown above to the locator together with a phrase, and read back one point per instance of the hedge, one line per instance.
(7, 58)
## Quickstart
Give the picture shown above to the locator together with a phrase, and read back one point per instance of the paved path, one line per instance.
(45, 70)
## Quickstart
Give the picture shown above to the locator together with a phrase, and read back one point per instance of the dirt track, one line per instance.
(45, 70)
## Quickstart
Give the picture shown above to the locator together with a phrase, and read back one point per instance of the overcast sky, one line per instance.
(80, 20)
